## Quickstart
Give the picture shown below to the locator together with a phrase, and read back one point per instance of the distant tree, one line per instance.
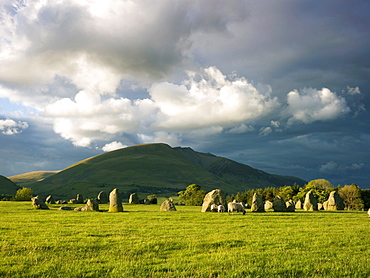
(321, 189)
(352, 197)
(193, 195)
(365, 196)
(23, 194)
(286, 192)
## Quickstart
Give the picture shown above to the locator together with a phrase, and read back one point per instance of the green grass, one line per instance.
(144, 242)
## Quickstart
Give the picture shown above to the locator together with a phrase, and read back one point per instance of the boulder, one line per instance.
(310, 202)
(290, 206)
(134, 199)
(115, 202)
(216, 197)
(257, 203)
(168, 205)
(80, 209)
(279, 204)
(50, 200)
(92, 205)
(102, 197)
(79, 199)
(62, 202)
(73, 201)
(38, 203)
(334, 202)
(298, 205)
(65, 208)
(320, 206)
(268, 205)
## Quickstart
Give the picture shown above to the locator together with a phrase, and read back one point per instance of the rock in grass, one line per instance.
(65, 208)
(102, 197)
(168, 205)
(80, 208)
(38, 203)
(334, 202)
(92, 205)
(216, 197)
(80, 199)
(134, 199)
(257, 203)
(298, 205)
(50, 199)
(115, 202)
(268, 205)
(310, 202)
(290, 206)
(279, 204)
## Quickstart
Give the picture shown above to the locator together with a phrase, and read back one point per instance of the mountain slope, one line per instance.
(154, 168)
(23, 180)
(7, 187)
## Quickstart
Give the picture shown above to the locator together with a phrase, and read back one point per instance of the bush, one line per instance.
(23, 194)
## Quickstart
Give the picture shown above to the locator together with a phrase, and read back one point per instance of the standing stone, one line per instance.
(268, 205)
(102, 197)
(79, 199)
(92, 205)
(279, 204)
(168, 205)
(257, 203)
(134, 199)
(290, 206)
(320, 206)
(216, 197)
(298, 205)
(50, 200)
(38, 203)
(310, 202)
(334, 202)
(115, 202)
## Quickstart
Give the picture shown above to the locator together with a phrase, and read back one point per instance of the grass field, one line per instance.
(144, 242)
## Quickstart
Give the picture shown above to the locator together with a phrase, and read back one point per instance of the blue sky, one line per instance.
(282, 86)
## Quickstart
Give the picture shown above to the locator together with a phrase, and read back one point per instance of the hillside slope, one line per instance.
(154, 168)
(7, 187)
(23, 180)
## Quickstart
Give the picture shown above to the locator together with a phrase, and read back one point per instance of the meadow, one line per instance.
(145, 242)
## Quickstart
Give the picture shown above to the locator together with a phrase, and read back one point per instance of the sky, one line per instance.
(282, 86)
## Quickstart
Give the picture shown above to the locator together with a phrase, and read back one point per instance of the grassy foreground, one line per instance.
(144, 242)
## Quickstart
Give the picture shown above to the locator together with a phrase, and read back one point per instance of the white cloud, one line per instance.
(113, 146)
(11, 127)
(312, 105)
(354, 90)
(243, 128)
(264, 131)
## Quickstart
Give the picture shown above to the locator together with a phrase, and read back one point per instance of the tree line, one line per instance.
(354, 197)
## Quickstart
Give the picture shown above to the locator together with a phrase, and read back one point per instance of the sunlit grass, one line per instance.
(144, 242)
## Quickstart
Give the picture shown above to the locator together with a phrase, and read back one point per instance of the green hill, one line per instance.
(7, 187)
(157, 169)
(23, 180)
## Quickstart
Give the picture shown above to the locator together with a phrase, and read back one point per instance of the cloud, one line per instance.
(113, 146)
(332, 166)
(312, 105)
(243, 128)
(11, 127)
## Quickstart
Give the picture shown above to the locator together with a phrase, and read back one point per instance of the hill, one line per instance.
(158, 169)
(23, 180)
(7, 187)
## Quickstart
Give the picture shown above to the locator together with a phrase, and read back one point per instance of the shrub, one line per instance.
(23, 194)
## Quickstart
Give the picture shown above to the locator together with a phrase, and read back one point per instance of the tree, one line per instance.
(23, 194)
(193, 195)
(321, 189)
(351, 195)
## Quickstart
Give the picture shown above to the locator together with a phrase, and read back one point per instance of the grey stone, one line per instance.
(216, 197)
(310, 202)
(102, 197)
(65, 208)
(38, 202)
(298, 205)
(290, 206)
(80, 199)
(334, 202)
(168, 205)
(50, 200)
(279, 204)
(268, 205)
(257, 203)
(92, 205)
(115, 202)
(134, 199)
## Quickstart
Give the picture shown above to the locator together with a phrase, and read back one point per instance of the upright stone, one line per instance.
(334, 202)
(50, 200)
(310, 202)
(257, 203)
(102, 197)
(298, 205)
(79, 199)
(38, 203)
(268, 205)
(290, 206)
(216, 197)
(92, 205)
(279, 204)
(134, 198)
(168, 205)
(115, 202)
